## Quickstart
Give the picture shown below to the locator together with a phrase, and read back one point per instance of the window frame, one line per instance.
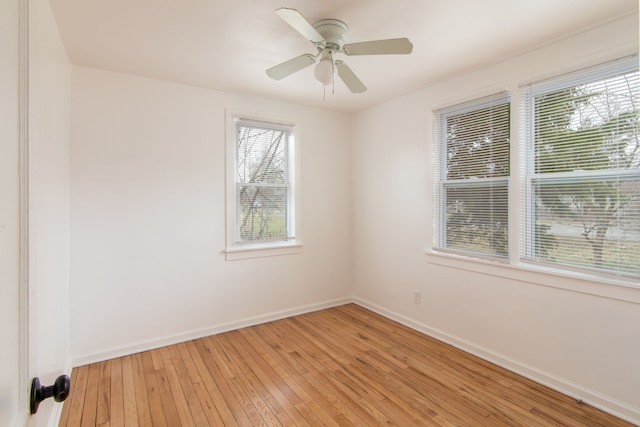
(236, 250)
(530, 179)
(442, 183)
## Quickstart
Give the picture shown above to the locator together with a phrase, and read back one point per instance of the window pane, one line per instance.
(584, 170)
(262, 213)
(261, 155)
(477, 219)
(473, 176)
(477, 143)
(589, 224)
(588, 127)
(262, 183)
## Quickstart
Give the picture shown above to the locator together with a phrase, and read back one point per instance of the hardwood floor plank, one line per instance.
(103, 410)
(156, 356)
(117, 401)
(142, 399)
(129, 393)
(155, 403)
(343, 366)
(91, 396)
(166, 396)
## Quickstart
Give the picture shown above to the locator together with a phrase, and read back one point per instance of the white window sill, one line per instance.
(622, 289)
(262, 250)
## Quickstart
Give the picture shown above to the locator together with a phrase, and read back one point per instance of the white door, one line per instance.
(12, 356)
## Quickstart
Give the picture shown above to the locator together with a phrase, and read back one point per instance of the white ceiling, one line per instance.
(227, 44)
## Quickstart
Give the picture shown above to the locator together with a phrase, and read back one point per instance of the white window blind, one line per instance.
(582, 170)
(262, 182)
(472, 176)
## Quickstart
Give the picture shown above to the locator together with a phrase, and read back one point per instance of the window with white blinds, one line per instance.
(263, 196)
(472, 176)
(581, 165)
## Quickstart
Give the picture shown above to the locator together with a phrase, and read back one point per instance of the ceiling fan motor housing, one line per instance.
(333, 31)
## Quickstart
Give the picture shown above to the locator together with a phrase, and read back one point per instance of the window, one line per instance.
(472, 176)
(581, 204)
(578, 176)
(261, 191)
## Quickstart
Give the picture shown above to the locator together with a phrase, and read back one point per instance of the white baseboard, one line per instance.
(576, 391)
(145, 345)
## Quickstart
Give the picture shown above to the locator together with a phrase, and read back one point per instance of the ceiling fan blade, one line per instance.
(349, 78)
(280, 71)
(379, 47)
(301, 25)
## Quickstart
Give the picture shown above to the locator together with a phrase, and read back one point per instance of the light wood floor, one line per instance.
(338, 367)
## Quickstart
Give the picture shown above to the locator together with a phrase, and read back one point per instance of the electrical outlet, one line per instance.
(416, 297)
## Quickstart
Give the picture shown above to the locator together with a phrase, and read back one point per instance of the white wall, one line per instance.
(49, 121)
(578, 336)
(148, 216)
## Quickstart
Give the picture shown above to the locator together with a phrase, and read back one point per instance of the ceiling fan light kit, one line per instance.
(330, 36)
(325, 70)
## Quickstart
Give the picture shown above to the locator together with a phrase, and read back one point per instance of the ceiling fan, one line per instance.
(330, 36)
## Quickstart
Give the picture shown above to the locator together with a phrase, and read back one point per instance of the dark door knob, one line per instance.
(59, 391)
